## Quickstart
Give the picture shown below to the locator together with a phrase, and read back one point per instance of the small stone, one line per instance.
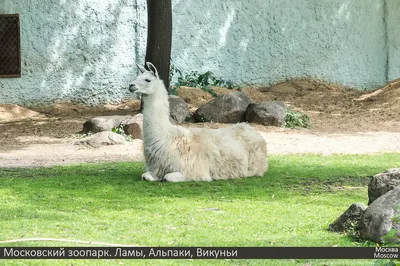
(104, 123)
(227, 108)
(382, 217)
(179, 109)
(383, 183)
(102, 139)
(134, 126)
(349, 219)
(270, 113)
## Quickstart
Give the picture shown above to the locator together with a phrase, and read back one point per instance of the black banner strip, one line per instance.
(199, 253)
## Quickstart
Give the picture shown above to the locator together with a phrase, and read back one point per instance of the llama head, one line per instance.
(145, 83)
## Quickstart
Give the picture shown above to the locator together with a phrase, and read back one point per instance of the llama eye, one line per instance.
(147, 80)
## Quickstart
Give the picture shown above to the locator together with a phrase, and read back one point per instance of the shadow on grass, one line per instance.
(28, 213)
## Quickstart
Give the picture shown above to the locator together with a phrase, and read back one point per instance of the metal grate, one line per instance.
(10, 52)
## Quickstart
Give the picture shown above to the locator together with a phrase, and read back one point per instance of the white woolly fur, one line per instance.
(174, 153)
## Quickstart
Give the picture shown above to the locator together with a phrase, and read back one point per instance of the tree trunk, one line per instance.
(159, 37)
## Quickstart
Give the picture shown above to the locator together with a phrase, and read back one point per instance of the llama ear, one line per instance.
(152, 68)
(142, 69)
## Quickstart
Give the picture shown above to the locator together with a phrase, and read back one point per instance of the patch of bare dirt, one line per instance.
(389, 95)
(46, 151)
(74, 110)
(344, 121)
(13, 112)
(331, 107)
(194, 97)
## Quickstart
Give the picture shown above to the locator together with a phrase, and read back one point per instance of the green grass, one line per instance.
(292, 205)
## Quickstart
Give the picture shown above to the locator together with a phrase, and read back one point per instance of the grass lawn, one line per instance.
(292, 205)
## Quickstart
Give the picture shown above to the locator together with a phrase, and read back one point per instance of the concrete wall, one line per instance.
(84, 50)
(81, 50)
(393, 32)
(264, 41)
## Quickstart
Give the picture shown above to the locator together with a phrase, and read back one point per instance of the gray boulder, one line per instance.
(104, 123)
(382, 218)
(134, 126)
(349, 219)
(383, 183)
(269, 113)
(179, 110)
(227, 108)
(102, 139)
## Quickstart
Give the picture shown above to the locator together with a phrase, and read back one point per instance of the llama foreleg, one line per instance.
(149, 177)
(174, 177)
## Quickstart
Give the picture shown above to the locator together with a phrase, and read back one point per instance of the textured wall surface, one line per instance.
(84, 50)
(393, 31)
(264, 41)
(80, 50)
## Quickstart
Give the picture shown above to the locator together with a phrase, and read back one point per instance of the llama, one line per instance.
(174, 153)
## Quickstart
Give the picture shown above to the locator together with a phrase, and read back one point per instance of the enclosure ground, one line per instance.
(343, 121)
(289, 206)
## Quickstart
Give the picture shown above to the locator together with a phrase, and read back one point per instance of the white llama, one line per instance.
(174, 153)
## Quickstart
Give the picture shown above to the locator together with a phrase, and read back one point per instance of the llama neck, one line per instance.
(156, 112)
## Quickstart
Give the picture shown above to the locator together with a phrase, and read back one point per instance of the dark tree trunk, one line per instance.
(159, 37)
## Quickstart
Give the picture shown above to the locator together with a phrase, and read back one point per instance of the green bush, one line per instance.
(195, 79)
(295, 119)
(120, 130)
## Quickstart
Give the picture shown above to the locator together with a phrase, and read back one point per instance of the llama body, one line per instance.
(174, 153)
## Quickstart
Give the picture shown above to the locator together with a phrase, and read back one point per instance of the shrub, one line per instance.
(195, 79)
(295, 119)
(120, 130)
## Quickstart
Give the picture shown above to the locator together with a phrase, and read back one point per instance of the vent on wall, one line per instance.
(10, 46)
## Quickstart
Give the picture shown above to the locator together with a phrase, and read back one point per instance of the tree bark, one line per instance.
(159, 37)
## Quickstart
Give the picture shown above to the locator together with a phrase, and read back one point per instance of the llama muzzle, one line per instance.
(132, 88)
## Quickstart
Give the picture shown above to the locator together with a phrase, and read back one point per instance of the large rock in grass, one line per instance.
(102, 139)
(227, 108)
(104, 123)
(270, 113)
(349, 219)
(179, 109)
(134, 126)
(381, 221)
(383, 183)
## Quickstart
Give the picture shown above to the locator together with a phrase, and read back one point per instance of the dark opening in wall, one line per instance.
(10, 46)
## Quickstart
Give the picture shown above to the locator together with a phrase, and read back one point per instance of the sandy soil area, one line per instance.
(53, 151)
(344, 121)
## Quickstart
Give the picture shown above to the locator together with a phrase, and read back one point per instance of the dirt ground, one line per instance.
(344, 120)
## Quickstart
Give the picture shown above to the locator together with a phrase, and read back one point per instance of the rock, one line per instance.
(134, 126)
(349, 219)
(270, 113)
(382, 217)
(179, 109)
(13, 112)
(104, 123)
(227, 108)
(102, 139)
(382, 183)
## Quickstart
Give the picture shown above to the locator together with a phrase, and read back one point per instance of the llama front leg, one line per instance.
(148, 176)
(174, 177)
